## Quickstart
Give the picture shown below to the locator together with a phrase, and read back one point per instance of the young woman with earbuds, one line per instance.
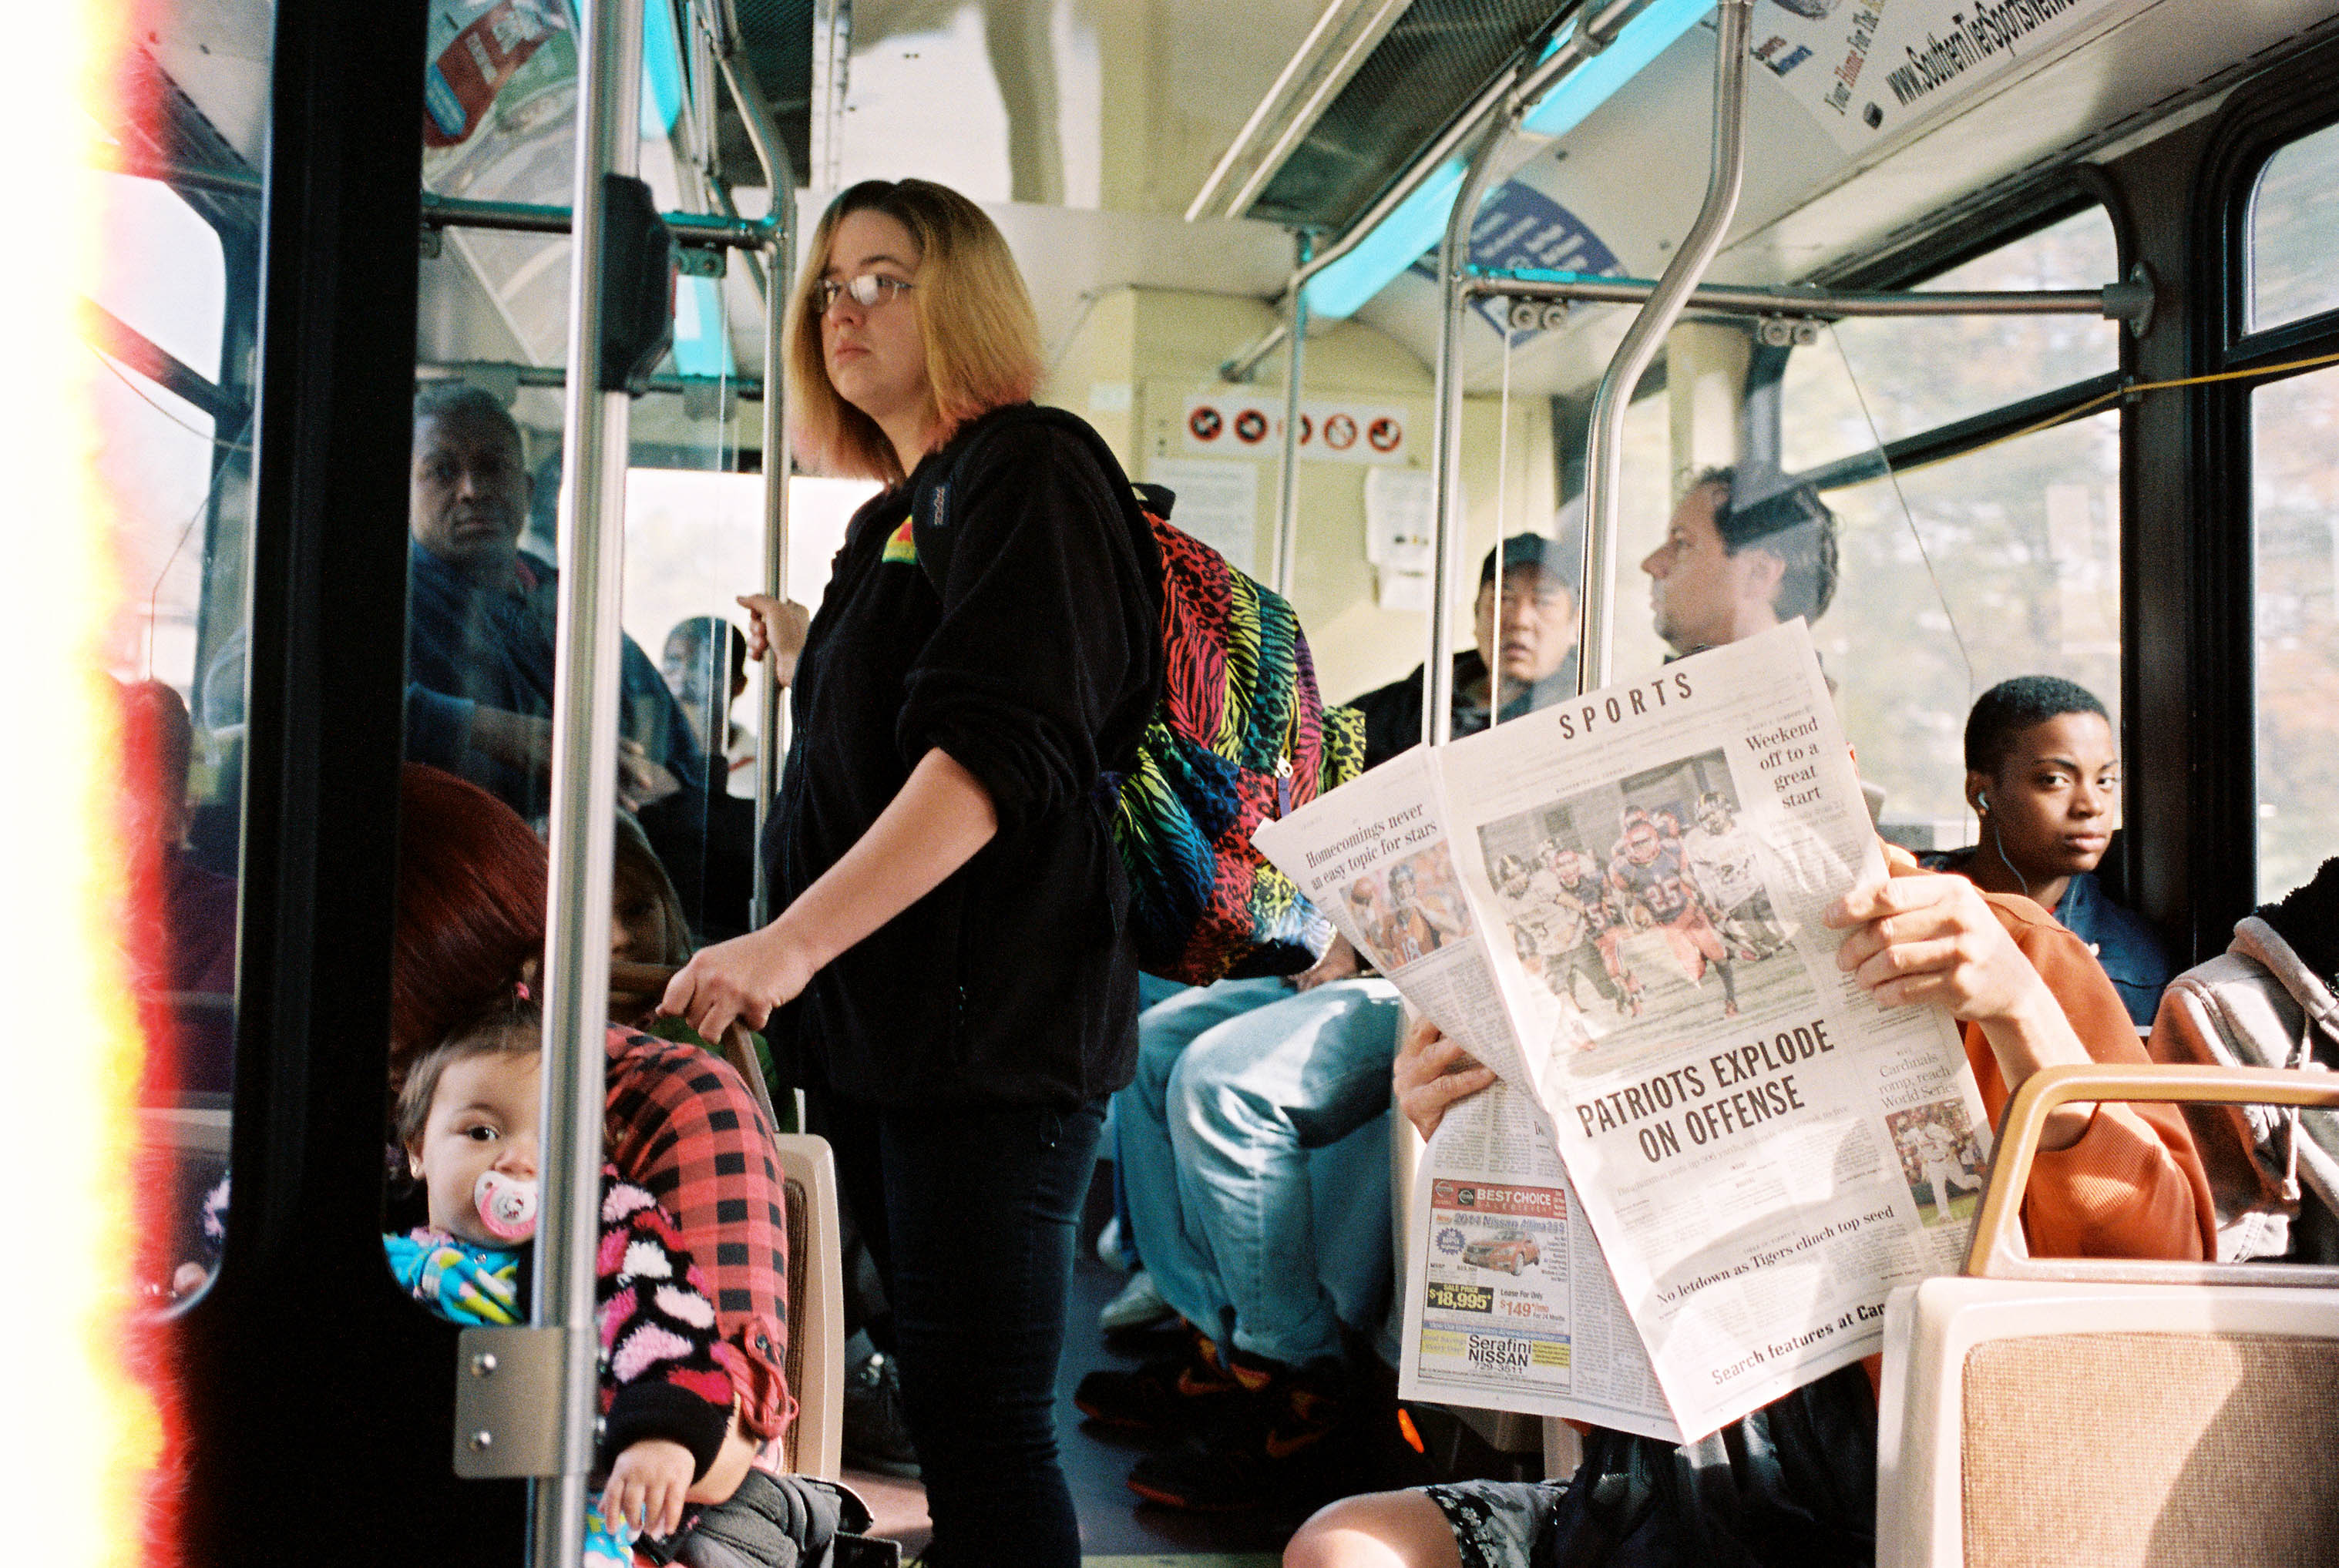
(2042, 772)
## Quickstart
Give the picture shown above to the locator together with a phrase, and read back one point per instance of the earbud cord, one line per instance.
(2002, 857)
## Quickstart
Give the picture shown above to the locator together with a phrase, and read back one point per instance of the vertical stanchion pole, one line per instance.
(596, 431)
(1286, 500)
(779, 269)
(1603, 460)
(1446, 448)
(771, 745)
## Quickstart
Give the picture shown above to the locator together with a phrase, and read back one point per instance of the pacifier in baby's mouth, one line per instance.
(506, 1205)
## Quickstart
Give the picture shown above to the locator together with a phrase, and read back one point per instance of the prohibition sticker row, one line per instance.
(1339, 432)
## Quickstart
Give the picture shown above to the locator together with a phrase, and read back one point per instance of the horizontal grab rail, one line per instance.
(746, 388)
(707, 228)
(2126, 301)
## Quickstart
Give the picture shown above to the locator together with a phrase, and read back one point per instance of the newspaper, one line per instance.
(1616, 905)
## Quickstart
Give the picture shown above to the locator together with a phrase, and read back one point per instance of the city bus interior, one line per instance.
(2110, 456)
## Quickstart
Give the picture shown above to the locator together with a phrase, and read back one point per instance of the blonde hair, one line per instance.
(981, 336)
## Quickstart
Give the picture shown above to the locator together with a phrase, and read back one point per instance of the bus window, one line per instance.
(2295, 524)
(1975, 545)
(164, 318)
(161, 451)
(1917, 373)
(2290, 249)
(2006, 562)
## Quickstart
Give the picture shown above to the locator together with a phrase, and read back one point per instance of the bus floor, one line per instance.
(1118, 1530)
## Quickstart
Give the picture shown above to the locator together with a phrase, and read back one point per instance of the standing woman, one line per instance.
(950, 963)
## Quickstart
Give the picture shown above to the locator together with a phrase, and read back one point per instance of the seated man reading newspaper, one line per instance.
(1794, 1482)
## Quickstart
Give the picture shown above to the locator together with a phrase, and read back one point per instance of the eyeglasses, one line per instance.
(868, 291)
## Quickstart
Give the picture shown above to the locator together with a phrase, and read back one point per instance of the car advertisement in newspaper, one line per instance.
(1761, 1152)
(1509, 1304)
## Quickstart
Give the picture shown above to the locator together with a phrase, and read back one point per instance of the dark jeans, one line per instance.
(973, 1212)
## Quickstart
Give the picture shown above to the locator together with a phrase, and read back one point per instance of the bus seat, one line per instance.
(2029, 1423)
(815, 1362)
(2110, 1412)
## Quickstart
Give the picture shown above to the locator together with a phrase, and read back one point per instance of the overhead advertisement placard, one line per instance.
(1867, 68)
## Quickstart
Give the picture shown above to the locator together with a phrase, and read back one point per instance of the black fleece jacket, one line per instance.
(1026, 646)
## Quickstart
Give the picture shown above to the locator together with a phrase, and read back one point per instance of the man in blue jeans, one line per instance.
(1239, 1086)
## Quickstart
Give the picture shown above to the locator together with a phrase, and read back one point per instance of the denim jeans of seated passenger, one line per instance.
(1151, 990)
(971, 1212)
(1238, 1086)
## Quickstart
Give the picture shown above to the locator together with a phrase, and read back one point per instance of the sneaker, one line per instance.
(1109, 1251)
(1174, 1392)
(1287, 1443)
(1138, 1306)
(876, 1434)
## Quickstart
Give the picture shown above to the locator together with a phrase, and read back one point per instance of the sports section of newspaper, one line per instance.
(1615, 903)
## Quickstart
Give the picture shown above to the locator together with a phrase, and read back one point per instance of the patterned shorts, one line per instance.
(1500, 1523)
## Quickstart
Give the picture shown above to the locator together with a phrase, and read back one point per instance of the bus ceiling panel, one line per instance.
(1107, 105)
(1434, 61)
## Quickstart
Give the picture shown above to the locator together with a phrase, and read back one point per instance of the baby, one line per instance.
(467, 1118)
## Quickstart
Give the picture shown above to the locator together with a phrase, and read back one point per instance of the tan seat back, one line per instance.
(813, 1362)
(2112, 1412)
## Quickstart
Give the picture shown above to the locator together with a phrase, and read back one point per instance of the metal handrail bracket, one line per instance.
(1604, 451)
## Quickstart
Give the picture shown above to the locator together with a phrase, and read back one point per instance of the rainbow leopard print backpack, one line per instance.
(1240, 737)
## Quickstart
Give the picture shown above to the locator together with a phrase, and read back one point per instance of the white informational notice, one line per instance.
(1217, 503)
(1399, 530)
(1615, 903)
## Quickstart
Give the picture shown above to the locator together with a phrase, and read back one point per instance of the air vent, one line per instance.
(1430, 66)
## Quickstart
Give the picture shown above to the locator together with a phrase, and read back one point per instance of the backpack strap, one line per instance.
(932, 528)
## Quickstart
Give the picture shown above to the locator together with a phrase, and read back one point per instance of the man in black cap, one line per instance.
(1739, 558)
(1526, 637)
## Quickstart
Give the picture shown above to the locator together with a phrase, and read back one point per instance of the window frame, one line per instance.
(2289, 103)
(2011, 222)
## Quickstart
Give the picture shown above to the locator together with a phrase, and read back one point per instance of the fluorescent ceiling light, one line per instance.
(661, 70)
(1340, 290)
(1593, 81)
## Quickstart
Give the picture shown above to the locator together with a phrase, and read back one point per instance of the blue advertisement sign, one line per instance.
(1519, 226)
